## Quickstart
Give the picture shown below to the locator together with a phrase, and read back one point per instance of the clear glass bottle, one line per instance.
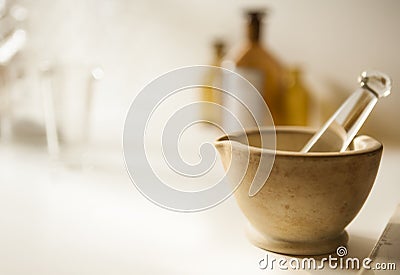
(261, 68)
(208, 113)
(296, 100)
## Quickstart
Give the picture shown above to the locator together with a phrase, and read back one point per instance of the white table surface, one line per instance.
(60, 220)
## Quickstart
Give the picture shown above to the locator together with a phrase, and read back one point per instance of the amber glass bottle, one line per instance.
(296, 100)
(261, 68)
(211, 95)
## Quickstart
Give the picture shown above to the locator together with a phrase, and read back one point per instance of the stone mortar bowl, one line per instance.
(308, 198)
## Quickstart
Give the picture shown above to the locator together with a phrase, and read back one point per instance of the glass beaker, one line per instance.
(67, 91)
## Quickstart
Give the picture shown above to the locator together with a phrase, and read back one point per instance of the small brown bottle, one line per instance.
(211, 95)
(261, 68)
(296, 100)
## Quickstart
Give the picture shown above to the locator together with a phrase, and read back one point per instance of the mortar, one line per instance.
(308, 198)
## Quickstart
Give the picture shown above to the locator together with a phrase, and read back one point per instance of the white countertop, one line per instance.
(60, 220)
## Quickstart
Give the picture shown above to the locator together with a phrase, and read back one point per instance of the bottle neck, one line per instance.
(219, 52)
(254, 30)
(253, 33)
(295, 76)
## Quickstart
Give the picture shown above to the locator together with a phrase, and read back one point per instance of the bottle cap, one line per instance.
(256, 14)
(254, 23)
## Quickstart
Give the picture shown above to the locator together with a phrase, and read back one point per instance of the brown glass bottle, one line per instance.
(212, 95)
(261, 68)
(296, 100)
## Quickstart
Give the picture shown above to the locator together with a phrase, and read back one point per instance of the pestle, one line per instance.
(340, 129)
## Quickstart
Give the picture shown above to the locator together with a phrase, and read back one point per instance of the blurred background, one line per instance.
(70, 69)
(133, 42)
